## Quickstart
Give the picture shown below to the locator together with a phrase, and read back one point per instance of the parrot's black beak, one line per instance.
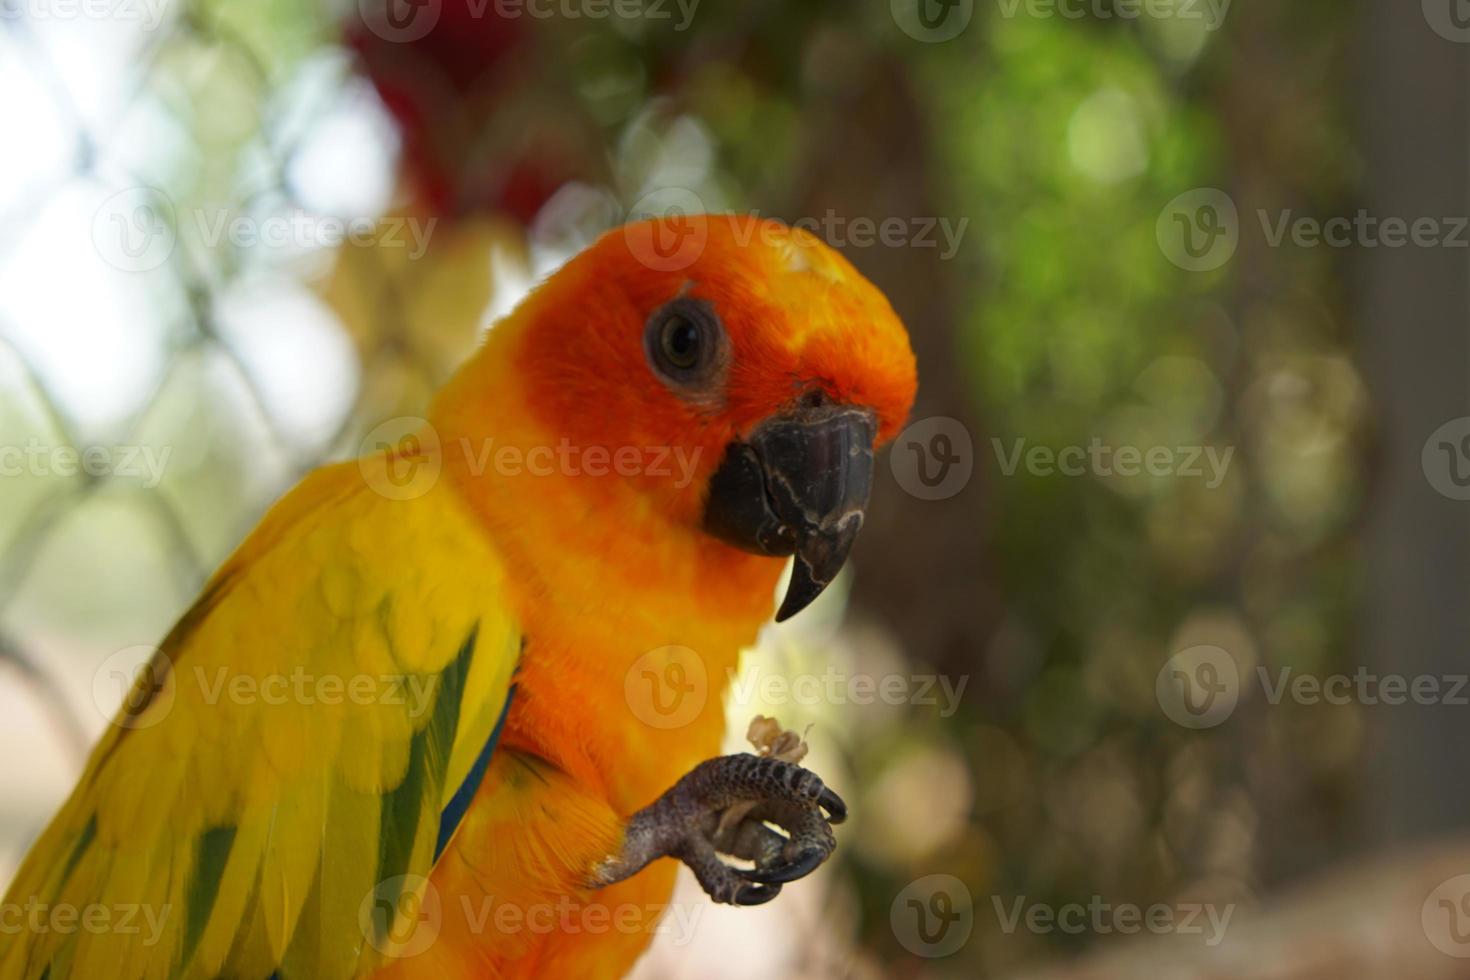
(798, 486)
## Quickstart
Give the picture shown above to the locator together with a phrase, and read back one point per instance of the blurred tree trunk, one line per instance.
(1416, 353)
(1281, 94)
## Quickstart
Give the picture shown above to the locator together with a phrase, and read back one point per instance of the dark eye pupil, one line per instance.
(681, 342)
(685, 345)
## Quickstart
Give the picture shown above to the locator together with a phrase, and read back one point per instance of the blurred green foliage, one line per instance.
(1061, 141)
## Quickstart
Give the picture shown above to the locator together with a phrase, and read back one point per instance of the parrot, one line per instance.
(410, 728)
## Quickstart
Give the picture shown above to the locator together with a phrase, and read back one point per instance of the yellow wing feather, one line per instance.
(318, 708)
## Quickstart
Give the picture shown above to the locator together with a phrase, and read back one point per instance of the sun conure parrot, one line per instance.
(408, 701)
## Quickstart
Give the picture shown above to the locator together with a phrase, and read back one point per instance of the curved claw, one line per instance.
(832, 803)
(756, 894)
(805, 864)
(729, 805)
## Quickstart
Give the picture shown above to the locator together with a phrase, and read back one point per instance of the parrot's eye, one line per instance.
(685, 342)
(680, 340)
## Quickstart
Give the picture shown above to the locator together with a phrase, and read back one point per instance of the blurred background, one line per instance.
(1151, 658)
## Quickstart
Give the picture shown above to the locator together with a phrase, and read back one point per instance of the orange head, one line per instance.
(750, 349)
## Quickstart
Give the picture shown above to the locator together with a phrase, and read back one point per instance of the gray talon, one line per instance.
(802, 866)
(832, 803)
(685, 823)
(756, 894)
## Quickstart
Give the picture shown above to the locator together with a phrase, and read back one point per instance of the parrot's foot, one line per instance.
(687, 823)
